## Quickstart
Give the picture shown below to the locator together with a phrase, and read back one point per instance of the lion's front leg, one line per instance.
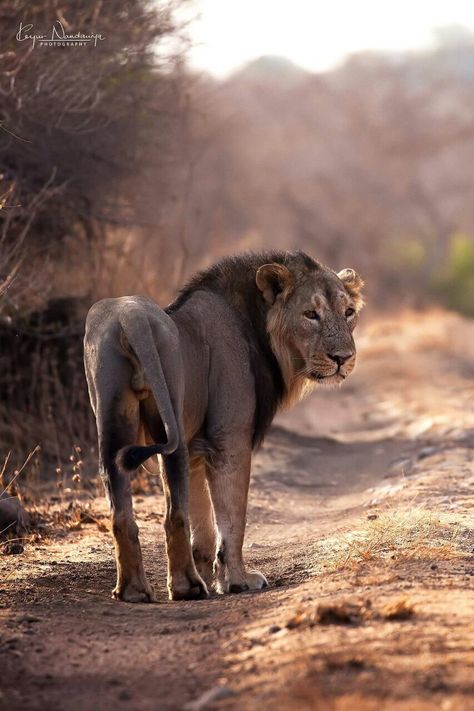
(203, 525)
(229, 480)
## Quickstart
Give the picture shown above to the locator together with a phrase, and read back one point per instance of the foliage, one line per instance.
(454, 284)
(408, 254)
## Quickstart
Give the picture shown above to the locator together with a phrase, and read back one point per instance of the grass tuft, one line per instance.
(394, 535)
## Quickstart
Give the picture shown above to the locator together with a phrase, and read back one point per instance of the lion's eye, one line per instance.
(312, 315)
(350, 312)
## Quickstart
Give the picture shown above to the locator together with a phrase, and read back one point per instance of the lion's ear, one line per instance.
(353, 283)
(274, 279)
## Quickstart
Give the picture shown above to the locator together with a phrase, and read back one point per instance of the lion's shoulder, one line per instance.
(230, 286)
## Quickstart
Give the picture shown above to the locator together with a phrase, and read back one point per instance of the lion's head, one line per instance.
(311, 316)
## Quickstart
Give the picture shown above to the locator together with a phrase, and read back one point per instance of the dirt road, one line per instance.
(361, 517)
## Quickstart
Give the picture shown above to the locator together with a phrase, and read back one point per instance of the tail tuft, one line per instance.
(130, 458)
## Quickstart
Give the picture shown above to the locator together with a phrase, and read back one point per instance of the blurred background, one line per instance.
(198, 129)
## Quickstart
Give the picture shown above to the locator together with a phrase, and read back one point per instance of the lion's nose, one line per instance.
(340, 358)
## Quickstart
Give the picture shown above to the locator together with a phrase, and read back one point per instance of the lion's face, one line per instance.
(311, 317)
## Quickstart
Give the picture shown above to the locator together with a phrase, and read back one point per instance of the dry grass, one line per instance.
(44, 400)
(69, 500)
(401, 609)
(413, 533)
(350, 612)
(51, 514)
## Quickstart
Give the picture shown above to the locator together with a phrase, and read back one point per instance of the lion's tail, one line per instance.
(138, 333)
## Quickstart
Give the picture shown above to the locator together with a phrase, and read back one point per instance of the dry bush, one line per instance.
(42, 385)
(88, 140)
(78, 123)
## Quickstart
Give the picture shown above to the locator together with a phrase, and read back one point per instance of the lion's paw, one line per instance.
(256, 580)
(252, 581)
(187, 587)
(137, 591)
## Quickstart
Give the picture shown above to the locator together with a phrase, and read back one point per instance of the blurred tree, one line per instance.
(454, 283)
(83, 131)
(352, 165)
(88, 142)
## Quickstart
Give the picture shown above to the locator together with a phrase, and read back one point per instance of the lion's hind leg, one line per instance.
(117, 424)
(184, 581)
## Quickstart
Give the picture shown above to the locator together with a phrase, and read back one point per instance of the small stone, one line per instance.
(273, 629)
(29, 618)
(434, 566)
(13, 549)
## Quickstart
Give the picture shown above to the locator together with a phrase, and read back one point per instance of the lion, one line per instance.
(199, 384)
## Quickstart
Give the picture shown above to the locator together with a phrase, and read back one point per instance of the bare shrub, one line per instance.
(87, 139)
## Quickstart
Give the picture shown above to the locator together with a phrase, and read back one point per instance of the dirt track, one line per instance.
(370, 502)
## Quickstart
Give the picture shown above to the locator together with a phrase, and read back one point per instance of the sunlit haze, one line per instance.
(313, 34)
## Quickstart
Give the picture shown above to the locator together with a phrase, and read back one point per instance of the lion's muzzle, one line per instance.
(341, 357)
